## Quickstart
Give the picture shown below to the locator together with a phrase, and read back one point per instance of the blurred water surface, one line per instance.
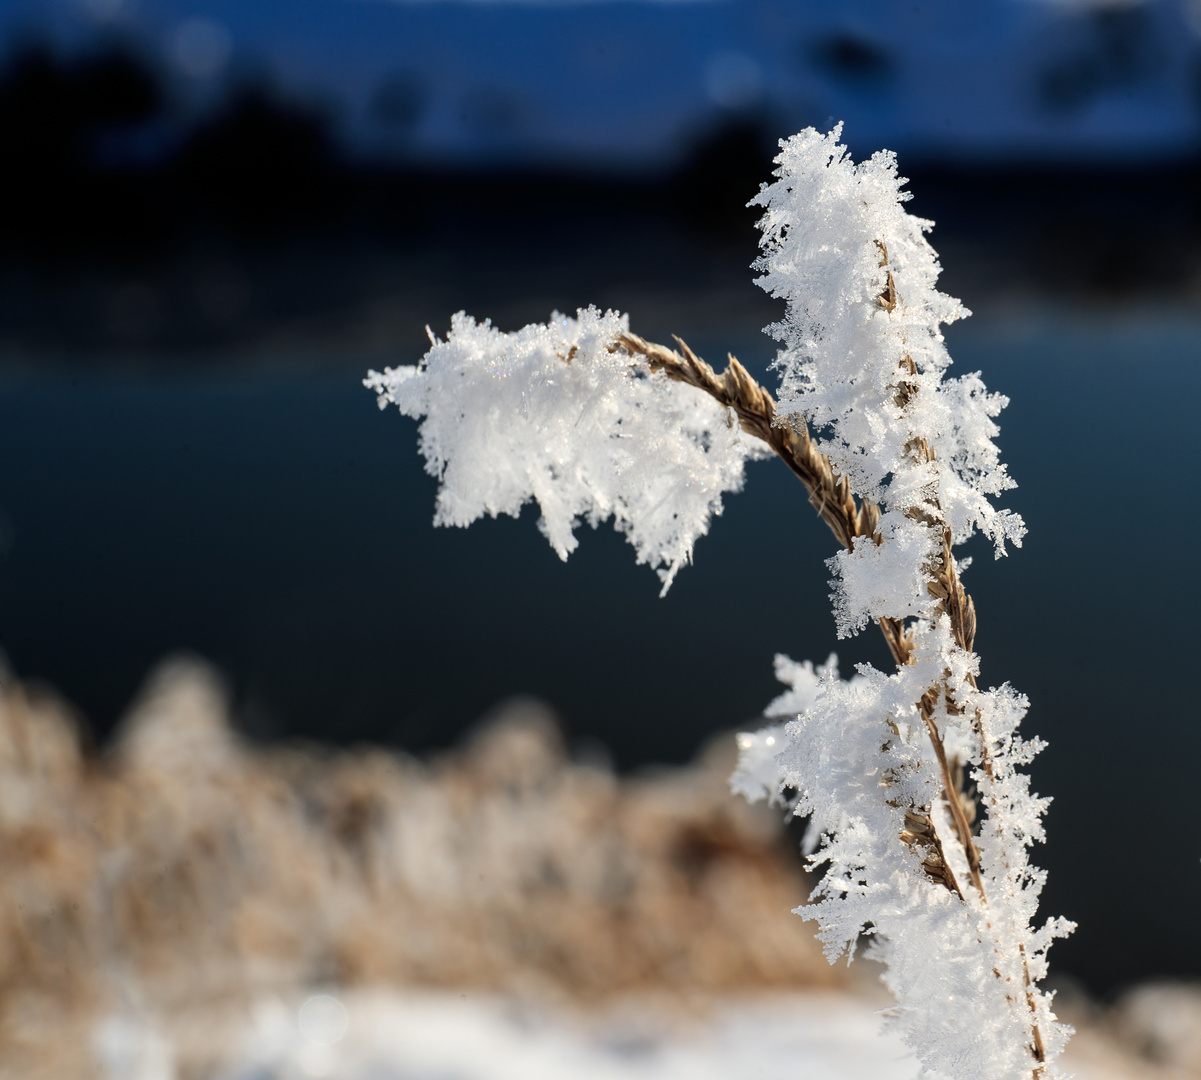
(277, 523)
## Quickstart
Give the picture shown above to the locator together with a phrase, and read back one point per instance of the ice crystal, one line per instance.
(858, 757)
(833, 233)
(549, 413)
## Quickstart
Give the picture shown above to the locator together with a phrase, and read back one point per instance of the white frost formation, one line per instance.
(833, 231)
(864, 361)
(857, 758)
(549, 413)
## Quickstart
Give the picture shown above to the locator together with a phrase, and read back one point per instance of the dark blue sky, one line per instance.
(620, 85)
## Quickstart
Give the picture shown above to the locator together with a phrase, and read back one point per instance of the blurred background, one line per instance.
(222, 213)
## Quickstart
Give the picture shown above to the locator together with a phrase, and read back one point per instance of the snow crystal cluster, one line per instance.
(864, 361)
(759, 775)
(834, 235)
(551, 413)
(854, 760)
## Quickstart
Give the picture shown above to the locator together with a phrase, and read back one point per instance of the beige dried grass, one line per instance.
(187, 874)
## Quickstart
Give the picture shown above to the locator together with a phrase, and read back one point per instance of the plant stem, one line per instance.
(831, 496)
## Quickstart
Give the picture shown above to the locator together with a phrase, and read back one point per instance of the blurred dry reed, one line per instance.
(187, 872)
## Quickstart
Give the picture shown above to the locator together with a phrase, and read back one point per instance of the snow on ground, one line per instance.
(458, 1036)
(388, 1036)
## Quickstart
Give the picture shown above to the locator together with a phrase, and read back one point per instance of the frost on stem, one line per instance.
(874, 762)
(858, 760)
(549, 413)
(858, 276)
(592, 423)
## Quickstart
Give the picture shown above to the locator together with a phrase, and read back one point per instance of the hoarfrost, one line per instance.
(871, 760)
(760, 773)
(858, 758)
(885, 580)
(803, 681)
(835, 235)
(550, 414)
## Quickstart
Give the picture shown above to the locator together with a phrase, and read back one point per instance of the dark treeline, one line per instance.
(107, 178)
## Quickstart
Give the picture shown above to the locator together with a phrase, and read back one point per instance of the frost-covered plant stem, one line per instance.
(735, 389)
(848, 518)
(864, 359)
(593, 422)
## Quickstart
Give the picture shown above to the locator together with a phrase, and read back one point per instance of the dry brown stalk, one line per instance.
(945, 586)
(830, 494)
(755, 408)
